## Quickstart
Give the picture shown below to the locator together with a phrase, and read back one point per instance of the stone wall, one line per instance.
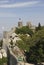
(11, 58)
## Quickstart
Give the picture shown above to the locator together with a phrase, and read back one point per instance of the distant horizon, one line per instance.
(27, 10)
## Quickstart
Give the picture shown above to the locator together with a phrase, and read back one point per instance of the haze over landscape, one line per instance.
(27, 10)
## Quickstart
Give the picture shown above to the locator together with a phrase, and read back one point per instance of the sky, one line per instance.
(27, 10)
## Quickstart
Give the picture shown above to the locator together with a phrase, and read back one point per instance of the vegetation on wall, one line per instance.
(34, 44)
(24, 30)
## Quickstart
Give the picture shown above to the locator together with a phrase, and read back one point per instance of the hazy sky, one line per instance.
(27, 10)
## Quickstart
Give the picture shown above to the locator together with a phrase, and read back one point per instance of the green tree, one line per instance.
(24, 30)
(39, 27)
(36, 50)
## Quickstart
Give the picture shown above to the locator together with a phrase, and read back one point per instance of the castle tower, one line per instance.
(29, 24)
(20, 23)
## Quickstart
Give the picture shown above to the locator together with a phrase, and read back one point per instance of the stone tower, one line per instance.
(20, 23)
(29, 24)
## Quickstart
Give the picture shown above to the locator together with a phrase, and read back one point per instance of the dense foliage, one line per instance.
(24, 30)
(34, 44)
(23, 44)
(3, 60)
(36, 50)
